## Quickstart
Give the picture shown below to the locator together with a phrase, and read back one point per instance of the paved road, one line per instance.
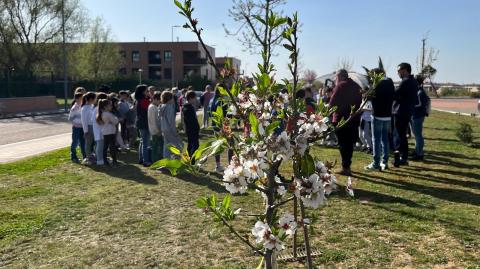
(25, 137)
(468, 106)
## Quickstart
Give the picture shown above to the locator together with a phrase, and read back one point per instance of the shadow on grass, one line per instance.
(436, 178)
(450, 154)
(447, 194)
(203, 181)
(432, 159)
(381, 198)
(441, 139)
(128, 172)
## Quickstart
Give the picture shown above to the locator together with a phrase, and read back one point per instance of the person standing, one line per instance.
(192, 127)
(75, 116)
(155, 128)
(420, 111)
(108, 123)
(404, 100)
(205, 101)
(86, 113)
(382, 101)
(168, 123)
(143, 101)
(346, 95)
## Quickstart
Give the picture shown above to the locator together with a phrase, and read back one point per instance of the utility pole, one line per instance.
(172, 58)
(64, 49)
(422, 59)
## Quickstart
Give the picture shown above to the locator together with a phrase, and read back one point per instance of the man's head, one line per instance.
(191, 97)
(124, 95)
(166, 97)
(300, 94)
(341, 75)
(404, 70)
(184, 91)
(208, 88)
(156, 99)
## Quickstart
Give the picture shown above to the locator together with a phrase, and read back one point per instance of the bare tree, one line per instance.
(428, 56)
(309, 76)
(98, 60)
(252, 32)
(345, 63)
(29, 27)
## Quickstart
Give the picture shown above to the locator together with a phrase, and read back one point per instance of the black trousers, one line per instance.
(400, 140)
(347, 136)
(109, 142)
(193, 144)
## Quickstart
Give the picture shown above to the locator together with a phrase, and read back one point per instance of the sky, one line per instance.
(332, 30)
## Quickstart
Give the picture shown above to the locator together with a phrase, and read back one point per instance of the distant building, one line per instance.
(168, 62)
(235, 63)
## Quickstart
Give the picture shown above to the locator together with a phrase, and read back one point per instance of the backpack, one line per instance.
(426, 102)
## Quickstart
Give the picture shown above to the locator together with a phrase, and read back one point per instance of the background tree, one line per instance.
(29, 28)
(309, 76)
(345, 63)
(99, 59)
(428, 56)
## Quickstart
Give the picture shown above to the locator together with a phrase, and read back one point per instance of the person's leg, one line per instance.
(113, 148)
(106, 141)
(377, 141)
(367, 134)
(99, 151)
(73, 146)
(160, 147)
(405, 123)
(352, 138)
(385, 138)
(342, 144)
(146, 145)
(361, 128)
(417, 129)
(155, 148)
(401, 141)
(81, 140)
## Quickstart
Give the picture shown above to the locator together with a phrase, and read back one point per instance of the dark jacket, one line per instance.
(190, 118)
(345, 95)
(142, 113)
(421, 106)
(405, 98)
(383, 99)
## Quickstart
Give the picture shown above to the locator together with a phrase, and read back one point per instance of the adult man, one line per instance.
(382, 101)
(404, 100)
(346, 95)
(420, 111)
(205, 101)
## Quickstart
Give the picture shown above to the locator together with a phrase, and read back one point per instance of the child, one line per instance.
(108, 124)
(130, 122)
(115, 104)
(155, 128)
(143, 101)
(123, 108)
(75, 116)
(366, 128)
(192, 128)
(87, 125)
(97, 132)
(167, 121)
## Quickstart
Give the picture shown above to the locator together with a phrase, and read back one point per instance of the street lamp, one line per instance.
(140, 75)
(64, 50)
(172, 58)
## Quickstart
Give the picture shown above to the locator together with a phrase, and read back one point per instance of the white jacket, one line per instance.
(75, 116)
(154, 120)
(97, 131)
(86, 115)
(109, 126)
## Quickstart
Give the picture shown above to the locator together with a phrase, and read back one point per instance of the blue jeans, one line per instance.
(143, 156)
(417, 129)
(77, 139)
(381, 129)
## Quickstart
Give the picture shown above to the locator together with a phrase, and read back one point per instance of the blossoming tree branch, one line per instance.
(278, 132)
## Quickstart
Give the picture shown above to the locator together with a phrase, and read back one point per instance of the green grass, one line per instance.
(61, 102)
(55, 214)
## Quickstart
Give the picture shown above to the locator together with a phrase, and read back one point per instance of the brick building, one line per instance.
(168, 62)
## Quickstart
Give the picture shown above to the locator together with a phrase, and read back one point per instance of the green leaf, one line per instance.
(307, 165)
(223, 91)
(253, 123)
(179, 5)
(202, 202)
(270, 128)
(172, 165)
(258, 18)
(226, 202)
(174, 150)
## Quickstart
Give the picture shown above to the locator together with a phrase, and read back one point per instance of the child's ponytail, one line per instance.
(102, 104)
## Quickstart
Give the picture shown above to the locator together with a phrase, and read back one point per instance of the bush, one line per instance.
(474, 94)
(465, 133)
(454, 92)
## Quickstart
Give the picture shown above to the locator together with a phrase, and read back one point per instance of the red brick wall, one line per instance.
(27, 104)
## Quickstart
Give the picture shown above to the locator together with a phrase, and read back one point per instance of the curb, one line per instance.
(458, 113)
(31, 114)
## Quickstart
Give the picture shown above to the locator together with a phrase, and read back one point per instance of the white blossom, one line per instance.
(349, 187)
(287, 223)
(263, 235)
(234, 179)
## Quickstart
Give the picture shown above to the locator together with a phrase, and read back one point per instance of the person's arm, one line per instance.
(113, 119)
(70, 115)
(84, 114)
(189, 118)
(334, 99)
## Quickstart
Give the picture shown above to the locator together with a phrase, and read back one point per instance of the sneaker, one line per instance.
(372, 167)
(219, 169)
(344, 172)
(147, 164)
(383, 166)
(100, 163)
(86, 161)
(403, 162)
(75, 160)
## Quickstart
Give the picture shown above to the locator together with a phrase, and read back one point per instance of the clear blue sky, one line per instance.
(357, 30)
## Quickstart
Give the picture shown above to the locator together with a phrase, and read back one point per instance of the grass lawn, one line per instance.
(55, 214)
(61, 102)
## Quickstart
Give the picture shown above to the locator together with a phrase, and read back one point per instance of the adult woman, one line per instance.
(141, 96)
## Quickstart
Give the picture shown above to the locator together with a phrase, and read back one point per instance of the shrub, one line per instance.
(474, 94)
(454, 92)
(465, 133)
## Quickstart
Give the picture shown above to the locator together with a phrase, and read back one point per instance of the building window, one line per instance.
(167, 56)
(154, 57)
(123, 54)
(167, 73)
(155, 73)
(135, 56)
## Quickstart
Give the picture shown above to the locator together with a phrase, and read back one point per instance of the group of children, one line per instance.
(104, 122)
